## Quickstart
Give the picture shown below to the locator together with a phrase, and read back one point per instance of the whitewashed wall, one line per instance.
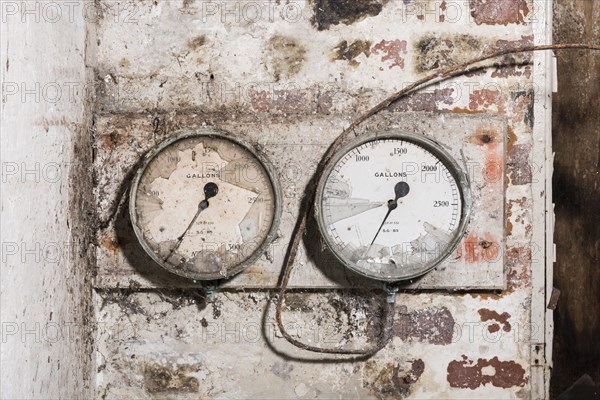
(45, 285)
(165, 65)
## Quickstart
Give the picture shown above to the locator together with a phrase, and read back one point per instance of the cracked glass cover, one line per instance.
(392, 208)
(204, 206)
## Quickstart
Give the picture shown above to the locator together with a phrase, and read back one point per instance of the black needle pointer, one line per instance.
(401, 189)
(210, 190)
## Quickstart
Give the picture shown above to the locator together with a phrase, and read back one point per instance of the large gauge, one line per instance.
(392, 206)
(204, 205)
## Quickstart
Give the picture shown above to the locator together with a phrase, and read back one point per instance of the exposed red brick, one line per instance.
(488, 100)
(522, 107)
(518, 260)
(466, 374)
(526, 40)
(499, 12)
(259, 100)
(512, 70)
(518, 165)
(522, 207)
(433, 325)
(324, 102)
(290, 101)
(426, 101)
(391, 50)
(514, 64)
(280, 101)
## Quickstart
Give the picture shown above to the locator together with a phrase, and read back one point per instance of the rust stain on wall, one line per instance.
(111, 244)
(511, 138)
(501, 319)
(499, 12)
(468, 374)
(335, 12)
(113, 139)
(483, 137)
(461, 110)
(391, 50)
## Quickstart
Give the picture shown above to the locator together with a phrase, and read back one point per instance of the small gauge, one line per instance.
(392, 206)
(204, 206)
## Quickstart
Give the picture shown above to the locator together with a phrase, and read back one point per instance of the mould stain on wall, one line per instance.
(349, 52)
(433, 51)
(335, 12)
(286, 56)
(170, 379)
(392, 380)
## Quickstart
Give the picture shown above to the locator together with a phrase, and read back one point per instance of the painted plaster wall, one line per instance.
(160, 65)
(164, 66)
(46, 349)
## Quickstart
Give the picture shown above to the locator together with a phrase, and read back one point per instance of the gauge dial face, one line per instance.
(393, 207)
(204, 206)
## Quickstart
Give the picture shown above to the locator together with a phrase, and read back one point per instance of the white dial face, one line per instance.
(204, 205)
(391, 209)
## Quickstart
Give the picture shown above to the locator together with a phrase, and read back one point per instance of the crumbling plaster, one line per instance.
(157, 64)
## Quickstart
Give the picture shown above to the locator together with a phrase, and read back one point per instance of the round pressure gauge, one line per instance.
(392, 206)
(204, 206)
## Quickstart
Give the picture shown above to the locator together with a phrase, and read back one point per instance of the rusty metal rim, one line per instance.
(428, 144)
(208, 132)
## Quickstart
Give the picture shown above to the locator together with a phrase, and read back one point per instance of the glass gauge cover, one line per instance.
(204, 206)
(392, 206)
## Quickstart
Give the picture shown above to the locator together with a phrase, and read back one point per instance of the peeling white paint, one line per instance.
(45, 286)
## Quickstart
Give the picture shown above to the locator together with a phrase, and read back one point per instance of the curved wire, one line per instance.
(308, 201)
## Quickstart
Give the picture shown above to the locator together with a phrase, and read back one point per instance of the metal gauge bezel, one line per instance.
(429, 145)
(207, 132)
